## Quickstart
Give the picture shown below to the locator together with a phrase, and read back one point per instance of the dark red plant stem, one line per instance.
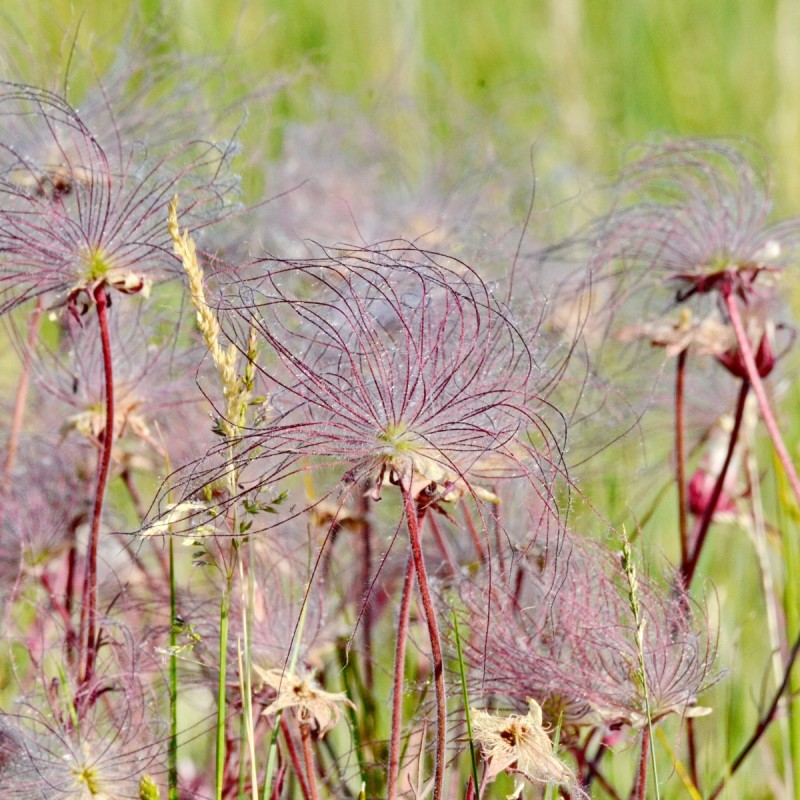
(433, 634)
(397, 691)
(640, 785)
(680, 454)
(295, 759)
(691, 741)
(89, 610)
(746, 351)
(763, 724)
(308, 758)
(687, 573)
(34, 323)
(594, 771)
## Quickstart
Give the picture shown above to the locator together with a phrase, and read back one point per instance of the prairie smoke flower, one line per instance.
(561, 631)
(76, 215)
(695, 213)
(519, 744)
(392, 365)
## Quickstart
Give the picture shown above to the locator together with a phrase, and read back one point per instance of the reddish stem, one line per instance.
(433, 634)
(680, 454)
(708, 512)
(22, 392)
(639, 787)
(437, 535)
(308, 758)
(295, 759)
(397, 691)
(89, 610)
(746, 351)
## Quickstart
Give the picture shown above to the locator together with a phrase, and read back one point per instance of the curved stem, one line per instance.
(89, 610)
(397, 692)
(746, 350)
(433, 633)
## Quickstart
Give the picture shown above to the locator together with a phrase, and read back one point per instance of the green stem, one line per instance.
(465, 694)
(172, 754)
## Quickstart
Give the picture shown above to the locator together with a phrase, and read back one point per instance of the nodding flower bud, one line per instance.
(764, 357)
(701, 485)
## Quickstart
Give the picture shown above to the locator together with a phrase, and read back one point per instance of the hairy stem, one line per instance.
(746, 350)
(640, 785)
(308, 760)
(412, 521)
(89, 609)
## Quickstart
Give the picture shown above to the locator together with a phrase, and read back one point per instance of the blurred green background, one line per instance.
(580, 81)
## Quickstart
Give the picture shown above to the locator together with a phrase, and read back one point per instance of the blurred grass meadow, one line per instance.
(463, 107)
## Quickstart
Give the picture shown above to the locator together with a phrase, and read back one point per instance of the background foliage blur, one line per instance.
(580, 81)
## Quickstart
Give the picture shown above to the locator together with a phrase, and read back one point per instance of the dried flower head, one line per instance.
(519, 744)
(311, 705)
